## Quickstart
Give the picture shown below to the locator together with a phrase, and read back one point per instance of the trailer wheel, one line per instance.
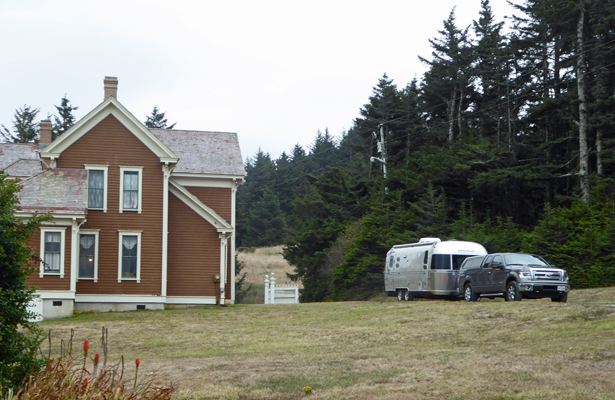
(468, 293)
(400, 294)
(512, 292)
(408, 296)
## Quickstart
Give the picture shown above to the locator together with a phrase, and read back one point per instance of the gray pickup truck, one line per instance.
(512, 275)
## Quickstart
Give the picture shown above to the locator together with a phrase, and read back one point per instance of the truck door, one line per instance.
(484, 275)
(498, 275)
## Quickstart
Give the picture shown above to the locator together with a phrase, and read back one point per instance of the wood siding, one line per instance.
(111, 143)
(218, 199)
(194, 253)
(51, 282)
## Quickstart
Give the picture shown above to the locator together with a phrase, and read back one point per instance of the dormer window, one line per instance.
(130, 188)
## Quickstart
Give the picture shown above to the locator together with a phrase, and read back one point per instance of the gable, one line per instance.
(109, 107)
(197, 206)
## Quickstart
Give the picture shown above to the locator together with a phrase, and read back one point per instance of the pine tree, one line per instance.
(66, 119)
(25, 130)
(157, 120)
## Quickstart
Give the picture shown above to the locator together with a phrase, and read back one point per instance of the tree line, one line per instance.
(507, 139)
(26, 130)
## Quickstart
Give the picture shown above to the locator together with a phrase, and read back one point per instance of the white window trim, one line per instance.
(140, 172)
(62, 251)
(95, 233)
(105, 169)
(119, 255)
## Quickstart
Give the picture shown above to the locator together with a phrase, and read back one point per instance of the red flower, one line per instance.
(86, 345)
(96, 358)
(138, 362)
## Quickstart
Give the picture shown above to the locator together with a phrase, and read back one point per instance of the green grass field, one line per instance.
(380, 349)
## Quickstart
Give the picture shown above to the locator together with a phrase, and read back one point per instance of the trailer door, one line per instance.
(392, 273)
(423, 280)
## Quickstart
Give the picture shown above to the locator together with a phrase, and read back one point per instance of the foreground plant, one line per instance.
(65, 378)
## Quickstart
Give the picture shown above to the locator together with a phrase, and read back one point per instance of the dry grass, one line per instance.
(263, 261)
(433, 349)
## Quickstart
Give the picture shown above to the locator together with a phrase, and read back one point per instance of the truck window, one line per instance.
(441, 261)
(458, 260)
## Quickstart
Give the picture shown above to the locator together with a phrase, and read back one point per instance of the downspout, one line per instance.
(223, 263)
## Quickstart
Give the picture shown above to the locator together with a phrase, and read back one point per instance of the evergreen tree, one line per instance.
(491, 70)
(25, 130)
(157, 120)
(19, 338)
(447, 83)
(265, 224)
(66, 119)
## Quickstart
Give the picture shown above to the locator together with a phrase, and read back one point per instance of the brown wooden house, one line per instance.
(142, 218)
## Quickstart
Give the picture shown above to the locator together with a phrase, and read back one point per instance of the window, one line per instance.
(130, 188)
(52, 251)
(441, 261)
(129, 256)
(97, 187)
(88, 255)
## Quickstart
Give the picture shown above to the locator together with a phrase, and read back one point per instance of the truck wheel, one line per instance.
(468, 293)
(561, 299)
(512, 292)
(408, 296)
(400, 295)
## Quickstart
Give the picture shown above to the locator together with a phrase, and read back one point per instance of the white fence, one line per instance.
(280, 294)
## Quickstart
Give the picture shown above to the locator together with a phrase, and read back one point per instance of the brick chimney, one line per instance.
(44, 134)
(110, 87)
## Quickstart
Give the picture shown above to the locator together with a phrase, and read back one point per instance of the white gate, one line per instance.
(288, 294)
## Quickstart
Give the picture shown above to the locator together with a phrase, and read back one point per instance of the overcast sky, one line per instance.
(273, 71)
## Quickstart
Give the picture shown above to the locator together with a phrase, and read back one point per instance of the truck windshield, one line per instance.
(525, 259)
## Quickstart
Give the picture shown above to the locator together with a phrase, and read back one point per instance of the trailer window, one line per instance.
(441, 261)
(458, 260)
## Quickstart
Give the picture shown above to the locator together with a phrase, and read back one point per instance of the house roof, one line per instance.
(10, 153)
(62, 191)
(23, 168)
(202, 152)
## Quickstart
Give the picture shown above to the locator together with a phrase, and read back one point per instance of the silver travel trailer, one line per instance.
(428, 268)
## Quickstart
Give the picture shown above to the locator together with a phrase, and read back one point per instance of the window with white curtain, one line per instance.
(52, 251)
(130, 188)
(129, 256)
